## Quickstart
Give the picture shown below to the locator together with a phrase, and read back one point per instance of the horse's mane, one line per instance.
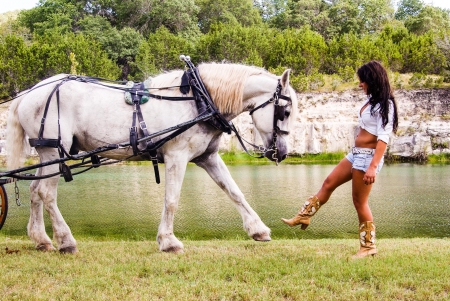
(225, 83)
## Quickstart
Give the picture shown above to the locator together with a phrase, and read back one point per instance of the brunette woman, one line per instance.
(377, 119)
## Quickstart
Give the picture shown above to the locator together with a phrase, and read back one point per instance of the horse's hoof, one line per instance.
(45, 248)
(174, 250)
(261, 237)
(68, 250)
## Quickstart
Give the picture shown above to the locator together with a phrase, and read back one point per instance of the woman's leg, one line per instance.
(360, 194)
(341, 174)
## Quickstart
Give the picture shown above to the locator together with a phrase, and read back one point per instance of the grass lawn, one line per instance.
(322, 269)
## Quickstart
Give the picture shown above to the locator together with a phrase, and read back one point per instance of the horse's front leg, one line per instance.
(216, 168)
(43, 194)
(175, 170)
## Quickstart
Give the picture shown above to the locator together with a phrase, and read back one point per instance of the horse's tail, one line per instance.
(16, 145)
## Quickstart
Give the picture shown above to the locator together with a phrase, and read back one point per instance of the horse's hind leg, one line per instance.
(43, 194)
(36, 227)
(218, 171)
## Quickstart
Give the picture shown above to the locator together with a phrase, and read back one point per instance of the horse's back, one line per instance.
(93, 115)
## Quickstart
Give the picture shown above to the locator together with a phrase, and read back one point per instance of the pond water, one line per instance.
(123, 201)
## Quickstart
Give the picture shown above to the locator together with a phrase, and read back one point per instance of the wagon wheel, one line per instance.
(3, 205)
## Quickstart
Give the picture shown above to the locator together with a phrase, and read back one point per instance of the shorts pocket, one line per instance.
(359, 162)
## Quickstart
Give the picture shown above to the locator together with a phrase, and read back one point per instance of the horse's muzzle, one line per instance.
(279, 156)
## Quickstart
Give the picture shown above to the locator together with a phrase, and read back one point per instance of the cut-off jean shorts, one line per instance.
(361, 158)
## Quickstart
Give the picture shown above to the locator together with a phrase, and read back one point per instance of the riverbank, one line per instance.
(322, 269)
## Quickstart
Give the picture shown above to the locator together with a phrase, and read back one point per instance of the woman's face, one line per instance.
(364, 86)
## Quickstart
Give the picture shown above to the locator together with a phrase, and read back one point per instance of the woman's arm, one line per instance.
(369, 176)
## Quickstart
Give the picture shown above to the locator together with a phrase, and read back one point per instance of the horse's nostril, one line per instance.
(283, 157)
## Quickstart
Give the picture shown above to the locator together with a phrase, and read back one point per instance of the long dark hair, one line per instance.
(379, 89)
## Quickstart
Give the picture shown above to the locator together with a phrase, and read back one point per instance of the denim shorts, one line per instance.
(362, 161)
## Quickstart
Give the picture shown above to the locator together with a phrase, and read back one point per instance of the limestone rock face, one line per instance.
(327, 122)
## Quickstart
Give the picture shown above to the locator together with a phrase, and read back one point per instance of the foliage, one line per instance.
(122, 45)
(303, 50)
(408, 8)
(55, 15)
(231, 12)
(359, 17)
(54, 51)
(422, 54)
(22, 66)
(428, 19)
(18, 66)
(312, 13)
(234, 43)
(311, 37)
(161, 52)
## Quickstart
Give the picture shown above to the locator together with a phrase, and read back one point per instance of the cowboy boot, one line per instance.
(367, 240)
(304, 215)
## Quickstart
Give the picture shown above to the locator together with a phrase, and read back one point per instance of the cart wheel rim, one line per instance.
(3, 205)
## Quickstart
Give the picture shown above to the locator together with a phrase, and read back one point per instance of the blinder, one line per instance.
(280, 112)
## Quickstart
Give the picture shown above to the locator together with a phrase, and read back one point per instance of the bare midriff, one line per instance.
(365, 139)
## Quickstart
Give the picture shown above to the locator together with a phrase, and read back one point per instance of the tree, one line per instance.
(241, 12)
(360, 16)
(388, 42)
(236, 44)
(179, 16)
(271, 11)
(428, 19)
(53, 51)
(18, 67)
(421, 54)
(161, 52)
(146, 16)
(313, 13)
(51, 14)
(302, 50)
(122, 45)
(408, 8)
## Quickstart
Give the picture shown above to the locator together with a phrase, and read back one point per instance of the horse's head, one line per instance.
(269, 98)
(271, 101)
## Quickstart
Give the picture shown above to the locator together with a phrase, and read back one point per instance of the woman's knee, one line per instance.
(329, 185)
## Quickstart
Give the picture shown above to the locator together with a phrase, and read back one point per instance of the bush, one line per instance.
(417, 80)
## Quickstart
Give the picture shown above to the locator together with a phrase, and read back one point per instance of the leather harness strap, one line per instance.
(207, 111)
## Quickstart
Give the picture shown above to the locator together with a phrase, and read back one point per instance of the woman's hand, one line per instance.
(369, 176)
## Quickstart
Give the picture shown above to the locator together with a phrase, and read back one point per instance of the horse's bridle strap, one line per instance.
(269, 101)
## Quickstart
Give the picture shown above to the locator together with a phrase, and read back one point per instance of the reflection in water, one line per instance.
(124, 201)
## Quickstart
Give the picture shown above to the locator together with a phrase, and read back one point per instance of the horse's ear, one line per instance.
(285, 78)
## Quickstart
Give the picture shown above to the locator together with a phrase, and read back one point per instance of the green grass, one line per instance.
(238, 157)
(442, 158)
(404, 269)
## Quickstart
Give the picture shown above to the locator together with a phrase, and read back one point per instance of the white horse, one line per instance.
(94, 115)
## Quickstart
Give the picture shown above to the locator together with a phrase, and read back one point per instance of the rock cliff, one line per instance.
(327, 122)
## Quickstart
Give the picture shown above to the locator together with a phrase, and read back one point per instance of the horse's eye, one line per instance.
(287, 113)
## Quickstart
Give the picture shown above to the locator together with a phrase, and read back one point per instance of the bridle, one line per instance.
(279, 114)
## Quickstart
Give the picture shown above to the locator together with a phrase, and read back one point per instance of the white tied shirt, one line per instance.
(374, 123)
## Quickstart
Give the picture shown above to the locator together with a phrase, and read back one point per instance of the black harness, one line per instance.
(208, 112)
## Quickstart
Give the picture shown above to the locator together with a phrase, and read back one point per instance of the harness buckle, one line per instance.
(143, 125)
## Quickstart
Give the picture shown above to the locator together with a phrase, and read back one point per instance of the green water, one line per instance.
(124, 202)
